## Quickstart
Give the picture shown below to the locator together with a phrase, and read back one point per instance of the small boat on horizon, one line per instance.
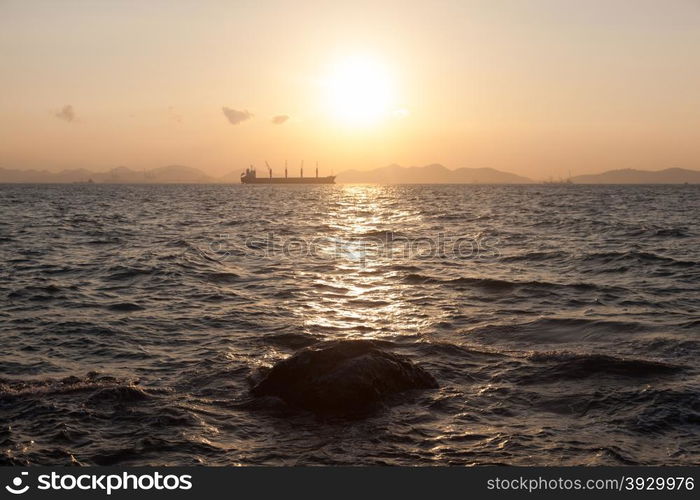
(560, 181)
(250, 177)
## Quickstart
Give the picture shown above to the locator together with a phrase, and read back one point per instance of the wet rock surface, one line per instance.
(348, 377)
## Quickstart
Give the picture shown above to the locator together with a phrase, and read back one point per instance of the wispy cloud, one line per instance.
(235, 116)
(280, 119)
(66, 113)
(173, 115)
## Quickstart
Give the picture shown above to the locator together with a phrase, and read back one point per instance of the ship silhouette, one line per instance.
(250, 177)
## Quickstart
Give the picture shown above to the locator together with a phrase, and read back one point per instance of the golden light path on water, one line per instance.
(359, 299)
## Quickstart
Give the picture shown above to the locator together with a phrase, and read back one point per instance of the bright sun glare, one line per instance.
(359, 91)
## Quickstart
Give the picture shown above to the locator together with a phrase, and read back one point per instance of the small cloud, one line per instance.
(235, 116)
(66, 113)
(173, 115)
(401, 113)
(279, 119)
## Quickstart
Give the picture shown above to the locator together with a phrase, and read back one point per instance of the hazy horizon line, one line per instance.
(103, 170)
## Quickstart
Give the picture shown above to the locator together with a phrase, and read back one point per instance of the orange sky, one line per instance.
(535, 87)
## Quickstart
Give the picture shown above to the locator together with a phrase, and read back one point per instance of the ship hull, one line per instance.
(289, 180)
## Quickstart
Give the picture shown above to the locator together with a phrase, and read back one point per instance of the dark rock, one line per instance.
(342, 377)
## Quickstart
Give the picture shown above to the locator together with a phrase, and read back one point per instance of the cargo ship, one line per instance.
(250, 177)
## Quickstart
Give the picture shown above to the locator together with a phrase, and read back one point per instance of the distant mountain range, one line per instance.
(430, 174)
(392, 174)
(632, 176)
(172, 174)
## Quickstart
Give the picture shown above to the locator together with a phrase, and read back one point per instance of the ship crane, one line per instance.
(269, 168)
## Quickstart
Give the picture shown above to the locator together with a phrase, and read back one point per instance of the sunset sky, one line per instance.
(535, 87)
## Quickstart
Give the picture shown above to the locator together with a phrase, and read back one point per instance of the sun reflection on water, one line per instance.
(359, 296)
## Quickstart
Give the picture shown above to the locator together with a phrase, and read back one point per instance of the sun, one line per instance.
(359, 91)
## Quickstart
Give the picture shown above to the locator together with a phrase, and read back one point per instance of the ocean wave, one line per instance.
(672, 232)
(223, 277)
(124, 307)
(636, 256)
(123, 273)
(93, 383)
(502, 285)
(660, 411)
(119, 394)
(382, 235)
(537, 256)
(557, 366)
(557, 331)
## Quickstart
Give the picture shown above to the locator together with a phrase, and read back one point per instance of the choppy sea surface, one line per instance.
(561, 322)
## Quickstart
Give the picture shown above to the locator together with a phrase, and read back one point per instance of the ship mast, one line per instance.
(302, 168)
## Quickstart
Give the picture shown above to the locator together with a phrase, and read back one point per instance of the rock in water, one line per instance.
(342, 377)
